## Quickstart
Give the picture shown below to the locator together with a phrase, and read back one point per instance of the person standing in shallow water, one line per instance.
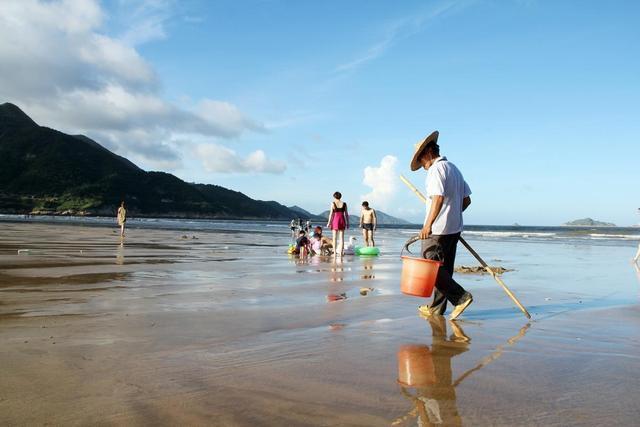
(338, 222)
(292, 226)
(122, 218)
(368, 223)
(449, 196)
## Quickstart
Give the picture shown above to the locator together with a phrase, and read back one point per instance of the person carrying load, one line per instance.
(449, 196)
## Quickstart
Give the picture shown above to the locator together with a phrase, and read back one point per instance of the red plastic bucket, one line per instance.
(418, 276)
(415, 366)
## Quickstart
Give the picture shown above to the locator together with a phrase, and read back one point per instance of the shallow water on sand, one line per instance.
(226, 329)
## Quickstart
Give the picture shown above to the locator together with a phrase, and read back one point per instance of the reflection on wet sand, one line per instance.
(428, 371)
(337, 271)
(120, 253)
(336, 275)
(368, 267)
(495, 355)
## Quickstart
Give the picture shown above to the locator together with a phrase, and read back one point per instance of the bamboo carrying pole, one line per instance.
(475, 254)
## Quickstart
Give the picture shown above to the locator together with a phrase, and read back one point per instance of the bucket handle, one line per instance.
(408, 243)
(411, 241)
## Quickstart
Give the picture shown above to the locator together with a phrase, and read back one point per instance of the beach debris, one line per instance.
(337, 326)
(24, 251)
(184, 236)
(365, 291)
(336, 297)
(464, 269)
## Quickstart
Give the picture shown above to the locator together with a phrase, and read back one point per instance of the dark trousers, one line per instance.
(447, 289)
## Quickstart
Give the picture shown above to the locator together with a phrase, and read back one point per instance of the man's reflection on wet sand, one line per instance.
(428, 371)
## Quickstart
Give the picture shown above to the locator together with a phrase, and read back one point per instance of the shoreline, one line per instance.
(71, 219)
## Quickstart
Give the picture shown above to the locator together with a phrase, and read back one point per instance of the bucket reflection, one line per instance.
(425, 375)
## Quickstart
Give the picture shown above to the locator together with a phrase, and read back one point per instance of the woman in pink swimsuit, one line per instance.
(338, 222)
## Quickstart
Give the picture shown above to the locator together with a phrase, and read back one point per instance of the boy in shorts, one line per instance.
(368, 223)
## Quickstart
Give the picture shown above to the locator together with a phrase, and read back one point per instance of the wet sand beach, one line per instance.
(226, 329)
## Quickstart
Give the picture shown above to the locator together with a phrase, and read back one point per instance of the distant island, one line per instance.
(588, 222)
(47, 172)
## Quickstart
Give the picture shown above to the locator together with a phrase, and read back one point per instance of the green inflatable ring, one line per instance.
(367, 250)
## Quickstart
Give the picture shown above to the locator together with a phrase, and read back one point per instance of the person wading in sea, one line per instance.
(449, 195)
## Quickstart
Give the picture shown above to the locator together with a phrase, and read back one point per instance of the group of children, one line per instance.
(316, 245)
(338, 222)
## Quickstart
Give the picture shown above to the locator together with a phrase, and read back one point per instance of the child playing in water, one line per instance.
(302, 244)
(338, 222)
(320, 245)
(316, 244)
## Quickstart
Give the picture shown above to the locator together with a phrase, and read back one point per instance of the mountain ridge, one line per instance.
(45, 171)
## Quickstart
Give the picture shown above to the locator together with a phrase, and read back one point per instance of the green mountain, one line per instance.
(44, 171)
(302, 213)
(588, 222)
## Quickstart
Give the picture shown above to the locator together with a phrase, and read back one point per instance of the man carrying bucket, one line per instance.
(449, 194)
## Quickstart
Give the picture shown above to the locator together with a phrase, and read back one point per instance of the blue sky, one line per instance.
(535, 101)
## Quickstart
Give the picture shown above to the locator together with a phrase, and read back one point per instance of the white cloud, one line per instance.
(225, 119)
(383, 181)
(144, 20)
(400, 29)
(60, 67)
(219, 159)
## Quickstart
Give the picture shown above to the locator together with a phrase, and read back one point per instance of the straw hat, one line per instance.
(415, 165)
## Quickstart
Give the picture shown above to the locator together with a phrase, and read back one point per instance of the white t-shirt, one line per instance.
(444, 179)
